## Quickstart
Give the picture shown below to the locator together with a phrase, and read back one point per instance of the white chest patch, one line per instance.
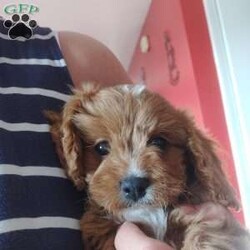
(154, 218)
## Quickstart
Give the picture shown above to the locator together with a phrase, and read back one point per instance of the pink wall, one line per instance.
(166, 16)
(116, 23)
(197, 88)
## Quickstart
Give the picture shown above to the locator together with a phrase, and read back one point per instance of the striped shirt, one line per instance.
(39, 207)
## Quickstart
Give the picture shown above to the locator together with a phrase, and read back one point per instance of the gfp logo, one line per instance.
(20, 9)
(20, 24)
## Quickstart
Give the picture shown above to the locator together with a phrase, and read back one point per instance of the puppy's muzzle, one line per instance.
(134, 188)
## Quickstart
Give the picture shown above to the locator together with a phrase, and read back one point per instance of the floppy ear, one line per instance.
(55, 121)
(66, 136)
(70, 139)
(209, 182)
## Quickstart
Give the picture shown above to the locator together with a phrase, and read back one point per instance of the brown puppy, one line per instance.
(139, 159)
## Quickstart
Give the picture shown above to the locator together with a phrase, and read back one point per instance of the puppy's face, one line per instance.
(134, 149)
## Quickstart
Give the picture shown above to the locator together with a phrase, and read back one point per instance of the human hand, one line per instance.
(208, 211)
(130, 237)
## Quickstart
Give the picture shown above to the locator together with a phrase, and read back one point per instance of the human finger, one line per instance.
(130, 237)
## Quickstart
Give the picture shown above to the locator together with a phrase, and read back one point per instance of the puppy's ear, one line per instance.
(209, 182)
(71, 141)
(55, 121)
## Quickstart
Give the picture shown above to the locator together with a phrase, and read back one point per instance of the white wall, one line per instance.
(117, 23)
(229, 25)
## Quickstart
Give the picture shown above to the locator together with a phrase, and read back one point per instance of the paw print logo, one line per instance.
(20, 26)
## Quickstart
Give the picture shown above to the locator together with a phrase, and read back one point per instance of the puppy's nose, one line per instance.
(134, 188)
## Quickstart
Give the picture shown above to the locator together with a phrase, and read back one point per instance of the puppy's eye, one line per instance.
(158, 142)
(102, 148)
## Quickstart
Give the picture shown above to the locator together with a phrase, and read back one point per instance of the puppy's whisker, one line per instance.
(109, 202)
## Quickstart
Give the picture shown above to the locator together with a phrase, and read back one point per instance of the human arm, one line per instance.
(89, 60)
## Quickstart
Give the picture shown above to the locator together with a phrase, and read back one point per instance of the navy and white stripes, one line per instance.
(39, 207)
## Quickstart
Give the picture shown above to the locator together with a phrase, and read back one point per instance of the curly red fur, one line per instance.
(188, 171)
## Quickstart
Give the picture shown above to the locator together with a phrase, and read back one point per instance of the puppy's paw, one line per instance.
(201, 213)
(206, 226)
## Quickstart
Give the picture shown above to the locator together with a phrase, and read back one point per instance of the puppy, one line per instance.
(140, 160)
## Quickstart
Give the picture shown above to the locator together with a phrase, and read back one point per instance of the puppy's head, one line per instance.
(132, 148)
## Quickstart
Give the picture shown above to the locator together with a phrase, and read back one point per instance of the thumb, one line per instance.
(130, 237)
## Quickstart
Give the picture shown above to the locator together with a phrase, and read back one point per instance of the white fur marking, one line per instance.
(154, 218)
(134, 170)
(135, 89)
